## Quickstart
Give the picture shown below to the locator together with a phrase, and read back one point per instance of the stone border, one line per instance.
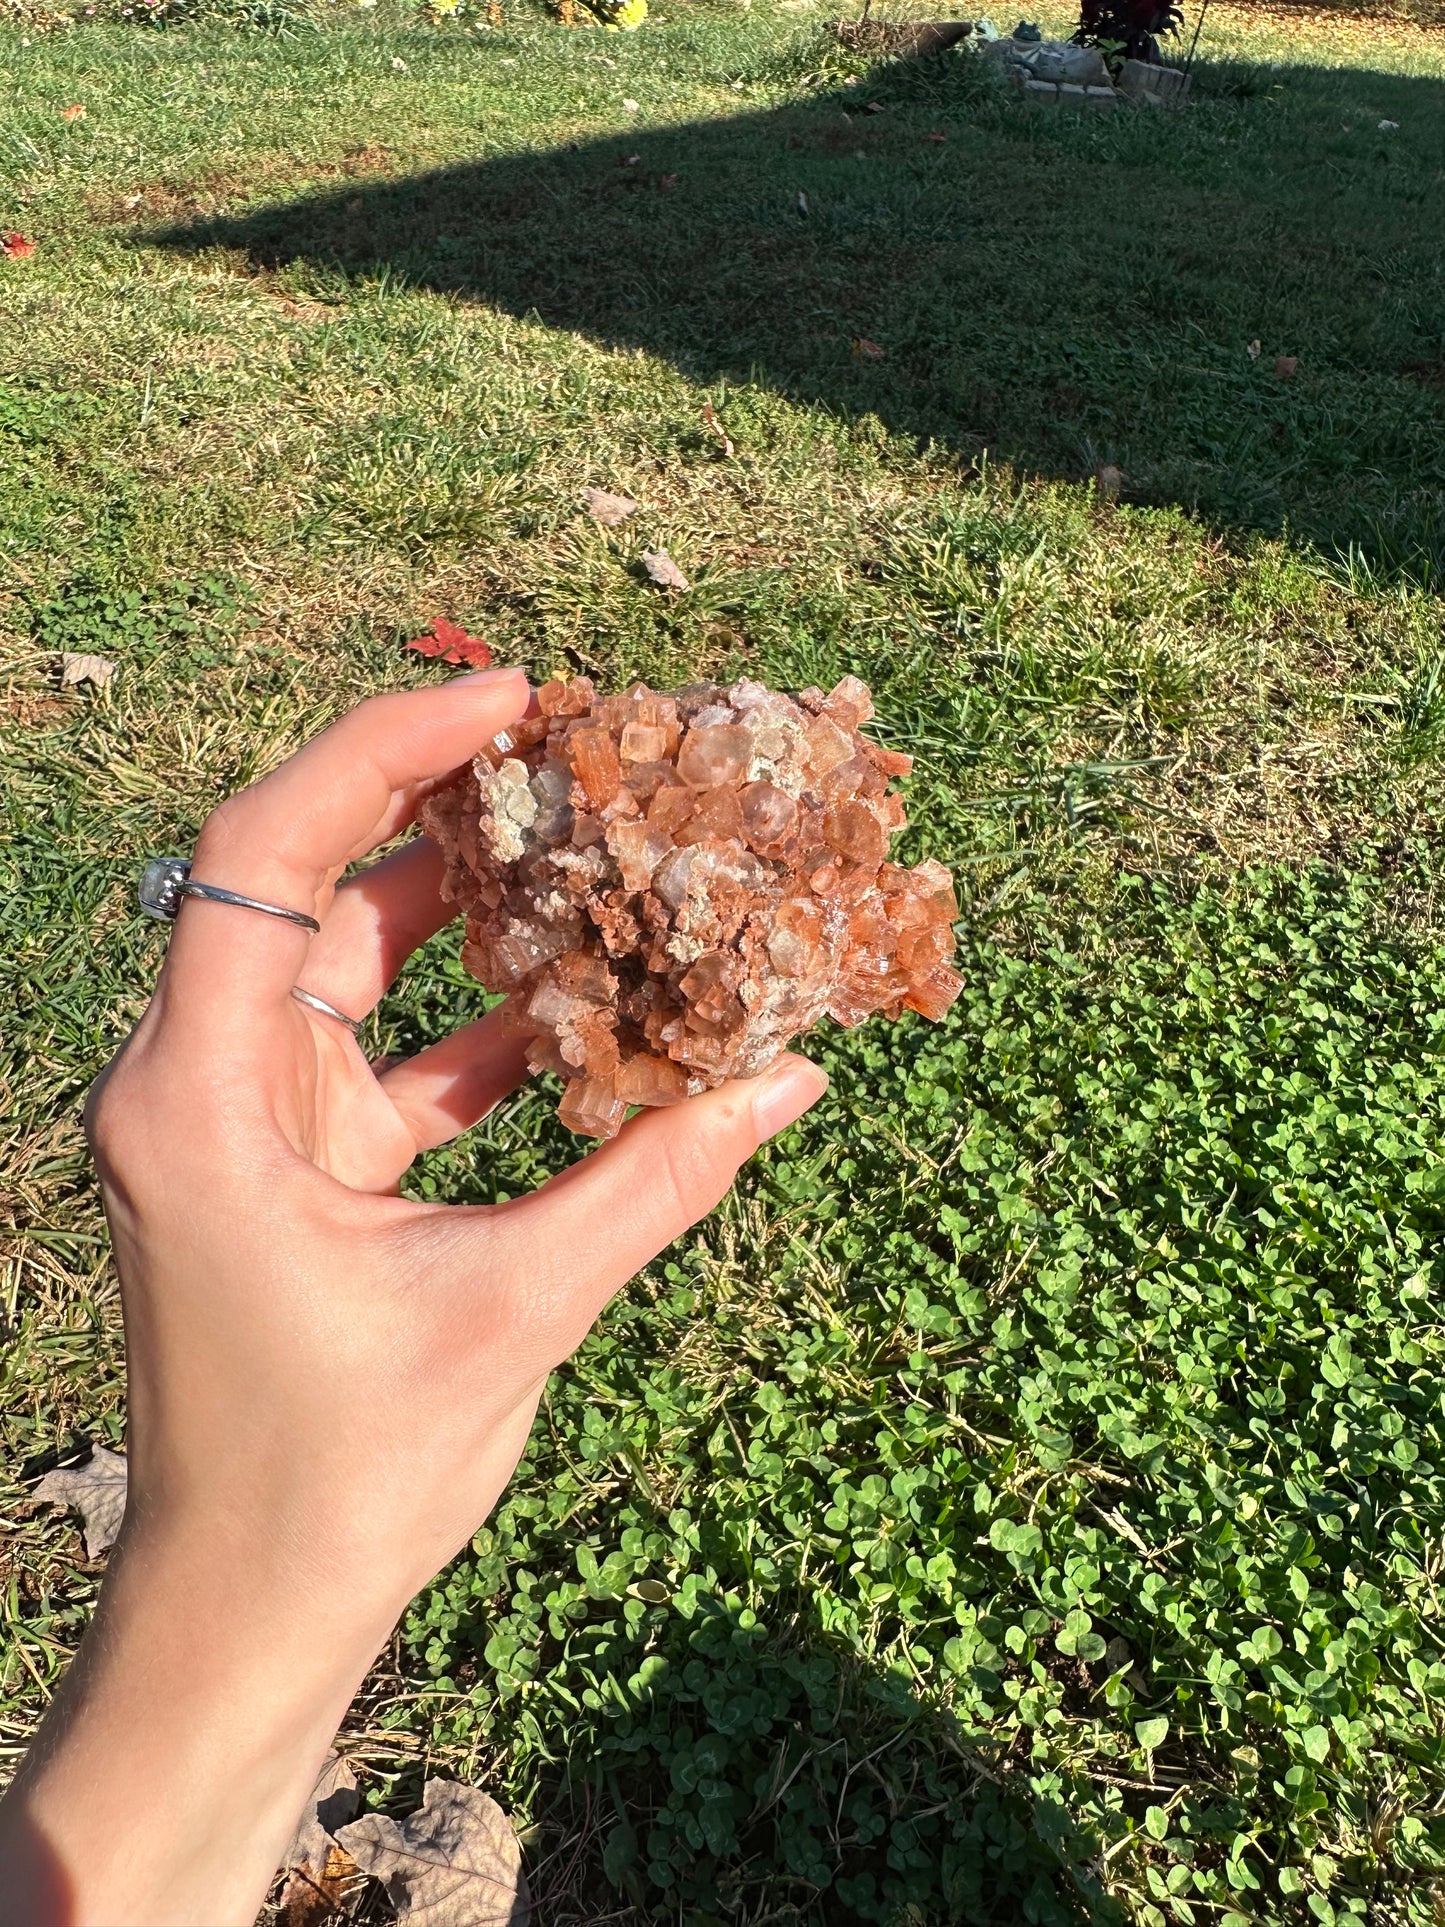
(1137, 83)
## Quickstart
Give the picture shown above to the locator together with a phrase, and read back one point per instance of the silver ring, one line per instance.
(313, 1002)
(167, 879)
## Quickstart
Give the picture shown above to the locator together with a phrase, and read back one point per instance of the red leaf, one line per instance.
(452, 643)
(15, 246)
(77, 112)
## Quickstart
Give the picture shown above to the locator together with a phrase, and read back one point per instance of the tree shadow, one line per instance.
(1059, 290)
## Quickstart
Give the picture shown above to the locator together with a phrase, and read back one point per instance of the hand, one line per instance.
(329, 1385)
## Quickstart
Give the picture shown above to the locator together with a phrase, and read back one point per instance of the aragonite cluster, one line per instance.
(671, 887)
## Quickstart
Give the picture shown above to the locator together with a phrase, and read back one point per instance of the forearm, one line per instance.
(169, 1774)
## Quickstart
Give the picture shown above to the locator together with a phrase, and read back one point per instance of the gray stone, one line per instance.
(1059, 60)
(1070, 94)
(1102, 97)
(1041, 90)
(1155, 86)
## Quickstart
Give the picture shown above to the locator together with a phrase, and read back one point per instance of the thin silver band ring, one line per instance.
(313, 1002)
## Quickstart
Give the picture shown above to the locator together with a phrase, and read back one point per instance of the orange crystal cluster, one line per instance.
(671, 887)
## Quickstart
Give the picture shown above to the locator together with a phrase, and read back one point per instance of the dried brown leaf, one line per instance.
(663, 570)
(1255, 349)
(715, 428)
(322, 1873)
(311, 1898)
(334, 1800)
(97, 1491)
(78, 669)
(1285, 366)
(456, 1863)
(867, 350)
(610, 510)
(1108, 480)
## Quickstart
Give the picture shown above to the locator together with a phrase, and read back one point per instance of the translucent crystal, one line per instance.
(671, 887)
(713, 755)
(591, 1107)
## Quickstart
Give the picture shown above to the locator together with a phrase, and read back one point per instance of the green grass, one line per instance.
(1022, 1501)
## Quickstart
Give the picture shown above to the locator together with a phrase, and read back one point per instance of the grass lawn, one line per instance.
(1023, 1500)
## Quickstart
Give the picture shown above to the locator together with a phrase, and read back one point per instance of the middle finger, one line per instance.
(376, 920)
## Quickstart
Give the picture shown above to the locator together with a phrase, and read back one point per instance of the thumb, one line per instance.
(590, 1228)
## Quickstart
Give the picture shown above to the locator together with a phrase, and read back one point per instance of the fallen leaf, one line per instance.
(1285, 366)
(802, 201)
(632, 160)
(296, 310)
(935, 136)
(1255, 349)
(1389, 126)
(715, 427)
(132, 200)
(663, 570)
(667, 183)
(632, 106)
(97, 1491)
(1108, 480)
(77, 112)
(320, 1869)
(875, 107)
(867, 350)
(609, 510)
(456, 1863)
(452, 643)
(310, 1899)
(399, 64)
(78, 669)
(15, 247)
(334, 1800)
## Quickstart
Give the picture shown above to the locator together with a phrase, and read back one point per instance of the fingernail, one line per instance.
(485, 675)
(791, 1087)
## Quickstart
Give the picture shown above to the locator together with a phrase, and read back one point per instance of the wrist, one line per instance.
(171, 1770)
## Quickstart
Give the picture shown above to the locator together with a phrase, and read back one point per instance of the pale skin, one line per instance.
(329, 1385)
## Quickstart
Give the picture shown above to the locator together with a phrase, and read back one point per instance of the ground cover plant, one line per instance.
(1023, 1499)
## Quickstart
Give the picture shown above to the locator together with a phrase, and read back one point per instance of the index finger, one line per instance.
(286, 839)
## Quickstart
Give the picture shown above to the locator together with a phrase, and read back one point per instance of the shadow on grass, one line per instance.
(1059, 290)
(747, 1772)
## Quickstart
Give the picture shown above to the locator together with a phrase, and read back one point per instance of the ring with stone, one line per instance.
(166, 880)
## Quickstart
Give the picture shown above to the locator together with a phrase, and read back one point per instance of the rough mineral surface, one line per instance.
(671, 887)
